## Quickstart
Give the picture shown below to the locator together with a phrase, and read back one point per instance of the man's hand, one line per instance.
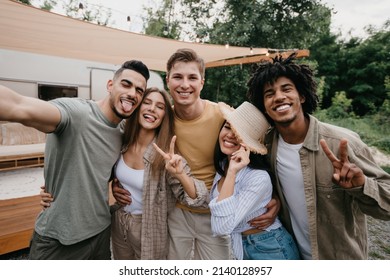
(122, 196)
(345, 174)
(46, 198)
(268, 218)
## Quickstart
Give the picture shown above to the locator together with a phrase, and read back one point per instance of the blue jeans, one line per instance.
(276, 244)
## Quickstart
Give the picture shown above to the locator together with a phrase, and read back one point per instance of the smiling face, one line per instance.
(282, 102)
(185, 83)
(152, 111)
(228, 141)
(126, 92)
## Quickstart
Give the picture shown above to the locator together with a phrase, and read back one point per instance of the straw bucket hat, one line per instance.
(248, 124)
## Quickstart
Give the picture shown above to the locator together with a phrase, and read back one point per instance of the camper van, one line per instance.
(48, 77)
(22, 148)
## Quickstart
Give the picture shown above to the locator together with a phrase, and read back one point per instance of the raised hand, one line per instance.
(173, 162)
(239, 159)
(345, 174)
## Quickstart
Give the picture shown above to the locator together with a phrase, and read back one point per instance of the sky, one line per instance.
(349, 15)
(354, 15)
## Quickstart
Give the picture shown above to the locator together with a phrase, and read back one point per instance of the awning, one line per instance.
(28, 29)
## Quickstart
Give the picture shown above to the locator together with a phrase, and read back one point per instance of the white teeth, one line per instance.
(184, 93)
(229, 144)
(283, 107)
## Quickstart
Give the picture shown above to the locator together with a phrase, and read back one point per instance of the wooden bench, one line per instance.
(12, 162)
(17, 220)
(20, 146)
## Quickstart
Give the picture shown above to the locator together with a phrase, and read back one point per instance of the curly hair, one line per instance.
(268, 72)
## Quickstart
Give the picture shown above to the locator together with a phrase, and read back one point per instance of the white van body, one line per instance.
(26, 72)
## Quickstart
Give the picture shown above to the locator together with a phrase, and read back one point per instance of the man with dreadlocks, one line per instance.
(325, 191)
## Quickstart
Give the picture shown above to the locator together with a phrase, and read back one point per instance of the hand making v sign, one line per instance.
(173, 162)
(345, 173)
(175, 166)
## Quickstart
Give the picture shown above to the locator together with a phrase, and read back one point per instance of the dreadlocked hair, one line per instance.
(268, 72)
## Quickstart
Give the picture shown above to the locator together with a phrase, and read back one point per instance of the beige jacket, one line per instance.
(336, 216)
(159, 197)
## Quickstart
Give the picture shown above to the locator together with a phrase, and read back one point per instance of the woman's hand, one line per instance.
(173, 162)
(46, 198)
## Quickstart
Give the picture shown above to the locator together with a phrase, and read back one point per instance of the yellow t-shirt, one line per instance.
(196, 141)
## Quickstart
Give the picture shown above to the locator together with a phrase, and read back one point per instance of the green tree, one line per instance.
(162, 22)
(365, 66)
(327, 53)
(27, 2)
(275, 24)
(383, 115)
(48, 5)
(227, 84)
(355, 66)
(341, 106)
(92, 13)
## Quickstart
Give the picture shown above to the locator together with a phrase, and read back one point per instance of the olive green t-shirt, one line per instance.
(79, 157)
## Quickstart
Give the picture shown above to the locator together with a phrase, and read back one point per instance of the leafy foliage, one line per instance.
(286, 24)
(27, 2)
(273, 24)
(341, 106)
(162, 22)
(358, 67)
(48, 5)
(94, 13)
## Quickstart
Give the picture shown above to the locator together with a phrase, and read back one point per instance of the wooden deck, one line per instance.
(17, 219)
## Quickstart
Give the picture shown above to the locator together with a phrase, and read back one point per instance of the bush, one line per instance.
(383, 144)
(369, 130)
(386, 168)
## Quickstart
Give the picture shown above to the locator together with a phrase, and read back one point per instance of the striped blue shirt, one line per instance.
(252, 192)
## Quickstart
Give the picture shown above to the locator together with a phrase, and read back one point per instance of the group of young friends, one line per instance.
(198, 179)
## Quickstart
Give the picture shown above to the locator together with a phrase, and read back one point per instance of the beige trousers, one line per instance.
(190, 237)
(126, 235)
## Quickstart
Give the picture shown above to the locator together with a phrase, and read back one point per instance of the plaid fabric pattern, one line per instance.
(159, 197)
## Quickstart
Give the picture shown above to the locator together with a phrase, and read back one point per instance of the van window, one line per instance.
(49, 92)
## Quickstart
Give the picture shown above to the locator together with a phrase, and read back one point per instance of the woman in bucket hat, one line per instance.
(242, 187)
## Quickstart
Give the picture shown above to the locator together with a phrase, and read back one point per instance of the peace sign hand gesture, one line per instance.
(173, 162)
(345, 174)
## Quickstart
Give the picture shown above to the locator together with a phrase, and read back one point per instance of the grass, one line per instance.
(371, 131)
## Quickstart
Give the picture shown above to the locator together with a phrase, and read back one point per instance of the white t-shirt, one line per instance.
(291, 180)
(133, 181)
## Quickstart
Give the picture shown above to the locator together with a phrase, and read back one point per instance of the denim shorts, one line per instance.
(276, 244)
